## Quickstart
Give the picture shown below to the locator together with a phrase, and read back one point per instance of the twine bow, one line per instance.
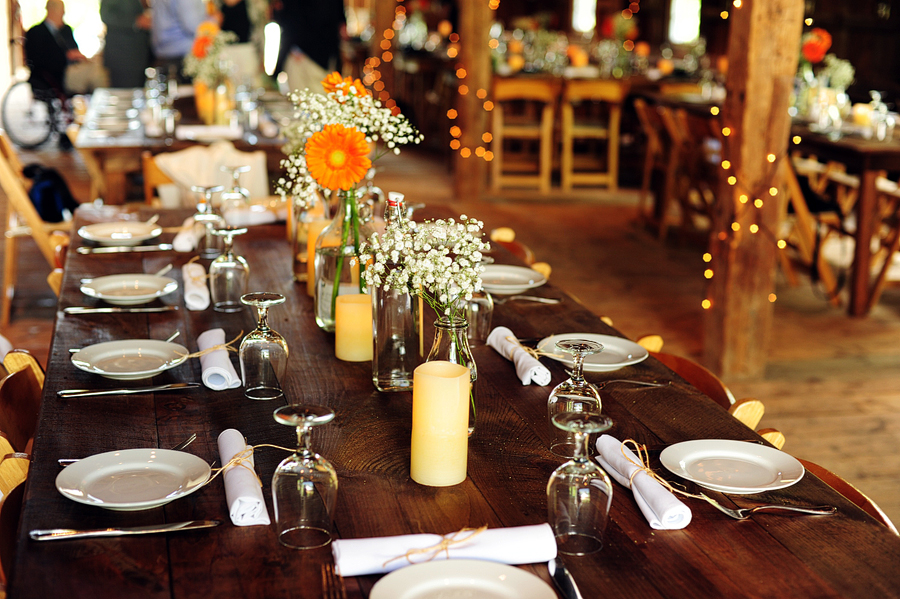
(244, 459)
(227, 346)
(447, 541)
(197, 279)
(534, 353)
(643, 465)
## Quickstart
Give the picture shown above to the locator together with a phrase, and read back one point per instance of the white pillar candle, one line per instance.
(440, 424)
(353, 328)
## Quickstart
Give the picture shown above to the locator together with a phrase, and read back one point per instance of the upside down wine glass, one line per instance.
(304, 487)
(263, 353)
(573, 395)
(579, 493)
(228, 274)
(209, 246)
(235, 196)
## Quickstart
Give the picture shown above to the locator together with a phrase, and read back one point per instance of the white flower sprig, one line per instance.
(346, 106)
(211, 69)
(439, 261)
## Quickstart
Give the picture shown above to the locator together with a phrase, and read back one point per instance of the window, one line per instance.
(684, 21)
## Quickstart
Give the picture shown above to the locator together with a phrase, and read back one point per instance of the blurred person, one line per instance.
(127, 51)
(50, 48)
(236, 18)
(172, 34)
(315, 28)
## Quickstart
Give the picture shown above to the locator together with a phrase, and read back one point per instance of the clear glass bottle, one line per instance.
(337, 258)
(304, 210)
(451, 343)
(395, 324)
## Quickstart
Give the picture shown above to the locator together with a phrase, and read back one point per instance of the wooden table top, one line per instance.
(770, 555)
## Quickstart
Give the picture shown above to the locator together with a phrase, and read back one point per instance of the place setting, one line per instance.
(121, 236)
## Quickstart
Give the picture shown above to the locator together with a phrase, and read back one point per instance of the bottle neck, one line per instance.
(395, 212)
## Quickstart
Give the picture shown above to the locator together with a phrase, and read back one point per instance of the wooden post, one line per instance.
(475, 58)
(762, 60)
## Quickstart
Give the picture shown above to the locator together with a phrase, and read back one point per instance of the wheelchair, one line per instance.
(31, 116)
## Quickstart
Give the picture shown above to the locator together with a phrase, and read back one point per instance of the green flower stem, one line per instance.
(354, 211)
(345, 232)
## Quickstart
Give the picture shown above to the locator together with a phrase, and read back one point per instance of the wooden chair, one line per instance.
(22, 220)
(773, 436)
(20, 359)
(698, 376)
(153, 176)
(10, 511)
(506, 125)
(506, 237)
(655, 159)
(596, 96)
(95, 171)
(13, 466)
(678, 88)
(846, 489)
(20, 404)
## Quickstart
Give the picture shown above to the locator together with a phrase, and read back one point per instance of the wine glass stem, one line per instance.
(263, 318)
(577, 367)
(304, 443)
(580, 444)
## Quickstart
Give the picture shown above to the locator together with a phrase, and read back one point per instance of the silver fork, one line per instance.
(332, 583)
(744, 513)
(528, 298)
(63, 462)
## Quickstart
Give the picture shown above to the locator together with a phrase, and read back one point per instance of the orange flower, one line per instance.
(334, 81)
(816, 44)
(207, 29)
(337, 157)
(201, 46)
(331, 81)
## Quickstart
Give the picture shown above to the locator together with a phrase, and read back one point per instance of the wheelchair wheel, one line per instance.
(28, 121)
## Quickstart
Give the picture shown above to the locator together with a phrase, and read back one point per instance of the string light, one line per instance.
(714, 110)
(754, 228)
(708, 273)
(726, 164)
(706, 304)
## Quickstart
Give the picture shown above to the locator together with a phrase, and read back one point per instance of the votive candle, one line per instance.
(440, 424)
(353, 327)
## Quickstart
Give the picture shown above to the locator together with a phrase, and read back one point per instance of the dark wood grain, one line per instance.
(847, 555)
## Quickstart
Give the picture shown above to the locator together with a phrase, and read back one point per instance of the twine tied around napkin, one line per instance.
(655, 496)
(227, 346)
(528, 368)
(196, 293)
(443, 545)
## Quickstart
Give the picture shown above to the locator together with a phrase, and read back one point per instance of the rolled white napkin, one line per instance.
(514, 545)
(255, 214)
(529, 369)
(662, 509)
(246, 505)
(188, 236)
(218, 372)
(196, 292)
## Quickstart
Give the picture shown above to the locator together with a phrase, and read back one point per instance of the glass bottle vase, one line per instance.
(304, 211)
(338, 269)
(451, 343)
(395, 328)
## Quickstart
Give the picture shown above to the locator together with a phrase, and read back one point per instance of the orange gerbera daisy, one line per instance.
(201, 46)
(207, 28)
(334, 81)
(337, 157)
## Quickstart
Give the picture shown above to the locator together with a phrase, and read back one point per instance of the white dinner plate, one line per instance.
(120, 232)
(509, 280)
(133, 479)
(129, 289)
(728, 466)
(130, 359)
(617, 352)
(461, 578)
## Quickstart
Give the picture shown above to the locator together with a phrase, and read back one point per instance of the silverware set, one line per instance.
(744, 513)
(118, 249)
(85, 310)
(126, 391)
(526, 298)
(57, 534)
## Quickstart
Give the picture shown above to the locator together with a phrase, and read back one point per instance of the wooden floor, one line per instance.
(832, 384)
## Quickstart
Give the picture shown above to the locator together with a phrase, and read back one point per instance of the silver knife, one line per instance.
(57, 534)
(152, 389)
(563, 580)
(114, 249)
(84, 310)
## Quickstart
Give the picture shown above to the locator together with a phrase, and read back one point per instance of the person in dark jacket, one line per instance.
(49, 48)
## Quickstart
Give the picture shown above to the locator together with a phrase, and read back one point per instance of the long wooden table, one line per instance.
(117, 154)
(770, 555)
(866, 158)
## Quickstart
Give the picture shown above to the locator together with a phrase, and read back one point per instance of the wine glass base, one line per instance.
(578, 544)
(228, 307)
(264, 393)
(304, 537)
(563, 450)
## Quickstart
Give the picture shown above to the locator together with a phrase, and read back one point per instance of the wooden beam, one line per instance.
(762, 60)
(474, 56)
